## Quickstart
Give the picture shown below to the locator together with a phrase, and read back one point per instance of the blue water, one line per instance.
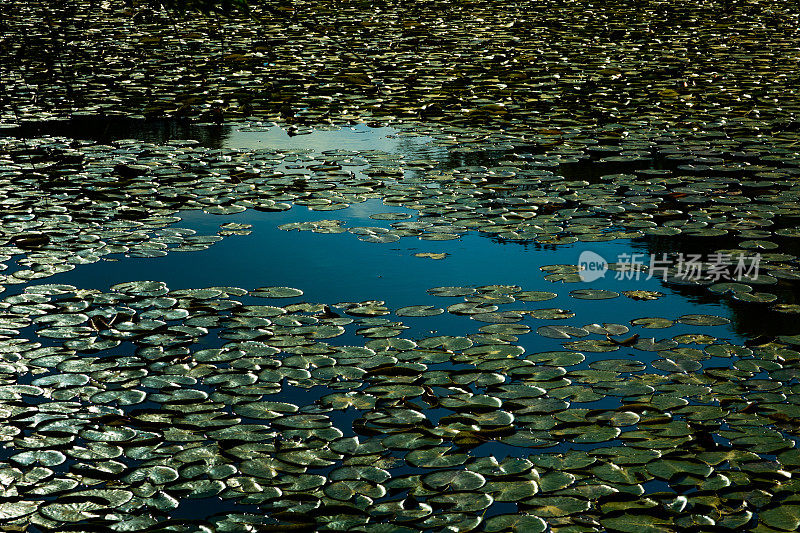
(332, 268)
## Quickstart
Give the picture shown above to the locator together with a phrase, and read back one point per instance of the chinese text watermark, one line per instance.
(713, 267)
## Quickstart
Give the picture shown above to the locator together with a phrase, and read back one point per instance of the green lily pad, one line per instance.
(653, 322)
(554, 506)
(419, 311)
(276, 292)
(593, 294)
(515, 522)
(703, 320)
(12, 510)
(561, 332)
(638, 523)
(451, 291)
(783, 517)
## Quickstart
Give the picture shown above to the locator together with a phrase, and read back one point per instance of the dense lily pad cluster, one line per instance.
(148, 397)
(717, 63)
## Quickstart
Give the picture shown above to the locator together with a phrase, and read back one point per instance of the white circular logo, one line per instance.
(591, 266)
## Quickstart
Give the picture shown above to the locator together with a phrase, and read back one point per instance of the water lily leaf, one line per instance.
(515, 522)
(11, 510)
(643, 295)
(499, 317)
(341, 400)
(157, 475)
(730, 288)
(606, 329)
(617, 365)
(141, 288)
(199, 488)
(72, 512)
(347, 489)
(276, 292)
(678, 365)
(552, 314)
(669, 468)
(597, 433)
(650, 344)
(505, 329)
(558, 358)
(553, 481)
(419, 311)
(470, 308)
(451, 291)
(512, 491)
(703, 320)
(368, 472)
(593, 294)
(439, 457)
(54, 486)
(561, 332)
(432, 255)
(535, 296)
(653, 322)
(553, 506)
(593, 345)
(41, 457)
(61, 380)
(783, 517)
(119, 397)
(638, 523)
(470, 502)
(458, 480)
(755, 297)
(390, 216)
(411, 441)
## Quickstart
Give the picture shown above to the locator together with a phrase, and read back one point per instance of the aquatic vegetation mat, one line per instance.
(522, 66)
(659, 138)
(124, 403)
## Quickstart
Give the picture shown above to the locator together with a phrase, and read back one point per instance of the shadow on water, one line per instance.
(751, 319)
(230, 136)
(108, 129)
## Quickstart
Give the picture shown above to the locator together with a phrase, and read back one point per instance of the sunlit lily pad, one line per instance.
(11, 510)
(638, 523)
(451, 291)
(703, 320)
(593, 294)
(653, 322)
(276, 292)
(419, 310)
(643, 295)
(515, 522)
(561, 332)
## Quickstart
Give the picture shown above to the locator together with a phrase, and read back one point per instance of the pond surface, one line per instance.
(340, 267)
(503, 267)
(359, 344)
